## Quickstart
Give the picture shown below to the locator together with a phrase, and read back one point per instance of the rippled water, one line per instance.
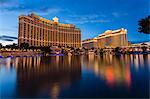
(75, 76)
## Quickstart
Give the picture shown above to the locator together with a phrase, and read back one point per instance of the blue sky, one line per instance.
(93, 17)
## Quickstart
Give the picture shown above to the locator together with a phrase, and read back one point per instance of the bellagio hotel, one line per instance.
(38, 31)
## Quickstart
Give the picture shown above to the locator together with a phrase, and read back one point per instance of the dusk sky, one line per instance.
(93, 17)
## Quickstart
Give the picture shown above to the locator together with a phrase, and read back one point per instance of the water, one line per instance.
(89, 76)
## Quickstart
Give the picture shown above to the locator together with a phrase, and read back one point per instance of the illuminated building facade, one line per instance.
(109, 38)
(38, 31)
(89, 43)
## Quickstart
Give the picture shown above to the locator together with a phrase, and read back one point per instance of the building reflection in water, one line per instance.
(42, 76)
(139, 61)
(114, 70)
(45, 75)
(7, 78)
(54, 92)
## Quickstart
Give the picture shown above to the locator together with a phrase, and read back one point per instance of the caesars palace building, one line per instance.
(108, 39)
(38, 31)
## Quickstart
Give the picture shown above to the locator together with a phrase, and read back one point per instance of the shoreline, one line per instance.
(32, 54)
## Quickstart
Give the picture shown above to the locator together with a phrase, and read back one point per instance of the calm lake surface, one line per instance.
(88, 76)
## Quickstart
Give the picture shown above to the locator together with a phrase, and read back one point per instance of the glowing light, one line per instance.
(55, 19)
(55, 91)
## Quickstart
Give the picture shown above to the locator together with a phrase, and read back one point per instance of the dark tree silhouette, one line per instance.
(46, 49)
(72, 48)
(144, 25)
(24, 45)
(117, 50)
(14, 46)
(92, 48)
(101, 51)
(1, 45)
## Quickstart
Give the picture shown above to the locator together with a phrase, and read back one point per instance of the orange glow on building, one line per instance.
(109, 38)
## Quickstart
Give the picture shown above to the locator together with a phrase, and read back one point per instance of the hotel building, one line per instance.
(38, 31)
(109, 38)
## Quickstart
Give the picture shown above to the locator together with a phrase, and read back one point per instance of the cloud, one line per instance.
(22, 9)
(4, 36)
(7, 38)
(90, 18)
(86, 21)
(116, 14)
(9, 6)
(7, 42)
(7, 3)
(47, 10)
(10, 28)
(4, 2)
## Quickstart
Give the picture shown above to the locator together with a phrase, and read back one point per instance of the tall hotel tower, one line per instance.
(38, 31)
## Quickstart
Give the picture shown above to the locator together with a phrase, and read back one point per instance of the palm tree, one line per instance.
(46, 49)
(24, 45)
(32, 48)
(117, 50)
(101, 51)
(14, 46)
(1, 45)
(144, 25)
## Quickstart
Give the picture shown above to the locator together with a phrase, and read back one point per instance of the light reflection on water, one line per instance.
(113, 70)
(75, 76)
(7, 79)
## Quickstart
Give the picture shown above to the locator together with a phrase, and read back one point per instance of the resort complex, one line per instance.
(39, 32)
(58, 49)
(109, 38)
(37, 35)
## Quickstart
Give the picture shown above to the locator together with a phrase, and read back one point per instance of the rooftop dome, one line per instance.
(55, 19)
(108, 32)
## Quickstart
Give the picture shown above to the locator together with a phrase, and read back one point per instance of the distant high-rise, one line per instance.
(38, 31)
(109, 38)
